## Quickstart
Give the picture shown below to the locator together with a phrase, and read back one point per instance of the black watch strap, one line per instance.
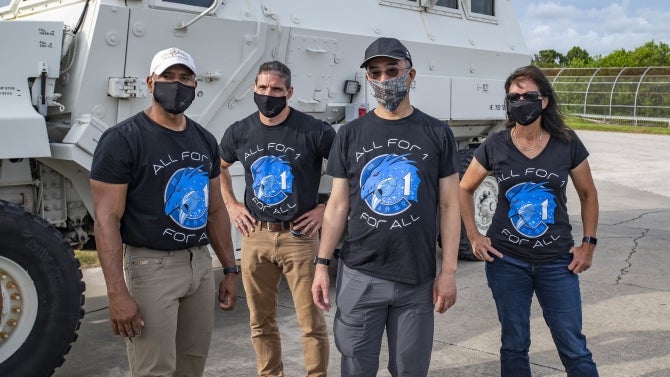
(592, 240)
(232, 270)
(322, 261)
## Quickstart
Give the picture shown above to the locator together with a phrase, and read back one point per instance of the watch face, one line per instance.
(591, 240)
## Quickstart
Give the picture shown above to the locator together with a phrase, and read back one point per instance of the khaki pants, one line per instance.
(175, 292)
(265, 257)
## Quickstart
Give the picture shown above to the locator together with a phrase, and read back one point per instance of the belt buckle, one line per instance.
(276, 226)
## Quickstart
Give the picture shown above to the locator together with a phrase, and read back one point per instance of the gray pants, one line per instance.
(365, 307)
(175, 292)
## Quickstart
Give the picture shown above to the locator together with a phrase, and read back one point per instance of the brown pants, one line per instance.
(265, 257)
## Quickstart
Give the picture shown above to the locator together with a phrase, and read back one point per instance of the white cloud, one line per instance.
(598, 26)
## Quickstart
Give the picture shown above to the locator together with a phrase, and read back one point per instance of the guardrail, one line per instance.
(622, 95)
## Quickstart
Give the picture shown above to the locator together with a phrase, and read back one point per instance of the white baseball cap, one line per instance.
(169, 57)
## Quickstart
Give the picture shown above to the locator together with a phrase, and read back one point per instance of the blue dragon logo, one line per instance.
(272, 179)
(187, 197)
(531, 208)
(388, 183)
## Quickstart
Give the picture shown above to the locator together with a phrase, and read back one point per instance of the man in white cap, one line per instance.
(387, 196)
(158, 204)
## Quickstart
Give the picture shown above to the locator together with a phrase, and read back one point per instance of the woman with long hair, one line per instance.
(529, 247)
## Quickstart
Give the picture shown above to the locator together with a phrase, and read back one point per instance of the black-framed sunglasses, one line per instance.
(530, 96)
(391, 72)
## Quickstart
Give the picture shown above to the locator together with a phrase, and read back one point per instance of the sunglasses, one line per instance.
(391, 72)
(528, 96)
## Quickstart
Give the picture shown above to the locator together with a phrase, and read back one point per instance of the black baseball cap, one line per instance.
(389, 47)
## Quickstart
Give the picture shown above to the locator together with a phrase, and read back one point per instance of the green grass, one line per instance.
(583, 124)
(87, 258)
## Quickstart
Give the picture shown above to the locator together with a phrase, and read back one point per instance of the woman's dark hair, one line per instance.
(279, 68)
(552, 119)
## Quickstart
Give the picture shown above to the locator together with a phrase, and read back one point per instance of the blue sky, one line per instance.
(598, 26)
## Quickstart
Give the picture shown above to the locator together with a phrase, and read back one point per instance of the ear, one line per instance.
(545, 102)
(150, 83)
(412, 74)
(289, 93)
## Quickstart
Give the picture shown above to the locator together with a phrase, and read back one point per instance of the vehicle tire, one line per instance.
(485, 199)
(42, 291)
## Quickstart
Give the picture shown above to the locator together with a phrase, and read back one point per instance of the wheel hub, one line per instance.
(485, 199)
(19, 307)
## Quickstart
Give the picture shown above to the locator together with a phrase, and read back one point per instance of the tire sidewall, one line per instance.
(38, 248)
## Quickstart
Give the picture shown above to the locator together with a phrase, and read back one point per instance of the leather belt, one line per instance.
(275, 226)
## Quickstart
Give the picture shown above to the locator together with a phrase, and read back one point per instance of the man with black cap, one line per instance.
(392, 169)
(158, 204)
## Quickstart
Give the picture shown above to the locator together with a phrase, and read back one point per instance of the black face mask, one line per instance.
(174, 97)
(524, 112)
(268, 105)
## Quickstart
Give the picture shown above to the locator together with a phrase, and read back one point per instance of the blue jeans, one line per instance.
(513, 282)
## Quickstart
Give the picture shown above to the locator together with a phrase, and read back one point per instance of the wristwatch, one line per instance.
(232, 270)
(592, 240)
(323, 261)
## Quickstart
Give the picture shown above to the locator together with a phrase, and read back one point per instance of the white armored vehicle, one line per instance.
(73, 68)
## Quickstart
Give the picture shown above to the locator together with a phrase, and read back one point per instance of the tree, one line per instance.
(549, 58)
(617, 58)
(578, 57)
(651, 54)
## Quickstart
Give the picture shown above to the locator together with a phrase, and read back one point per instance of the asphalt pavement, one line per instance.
(625, 294)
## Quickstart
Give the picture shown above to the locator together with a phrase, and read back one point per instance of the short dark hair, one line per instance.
(552, 119)
(279, 68)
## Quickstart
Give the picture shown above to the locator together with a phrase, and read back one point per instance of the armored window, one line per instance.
(453, 4)
(443, 7)
(196, 3)
(482, 7)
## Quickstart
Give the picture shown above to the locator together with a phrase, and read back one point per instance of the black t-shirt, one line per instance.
(282, 163)
(393, 168)
(168, 175)
(531, 219)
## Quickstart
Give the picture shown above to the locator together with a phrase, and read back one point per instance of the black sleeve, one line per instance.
(113, 158)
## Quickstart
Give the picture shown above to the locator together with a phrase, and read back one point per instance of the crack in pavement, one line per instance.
(638, 217)
(495, 354)
(627, 261)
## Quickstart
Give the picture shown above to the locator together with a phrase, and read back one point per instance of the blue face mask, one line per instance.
(173, 96)
(391, 92)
